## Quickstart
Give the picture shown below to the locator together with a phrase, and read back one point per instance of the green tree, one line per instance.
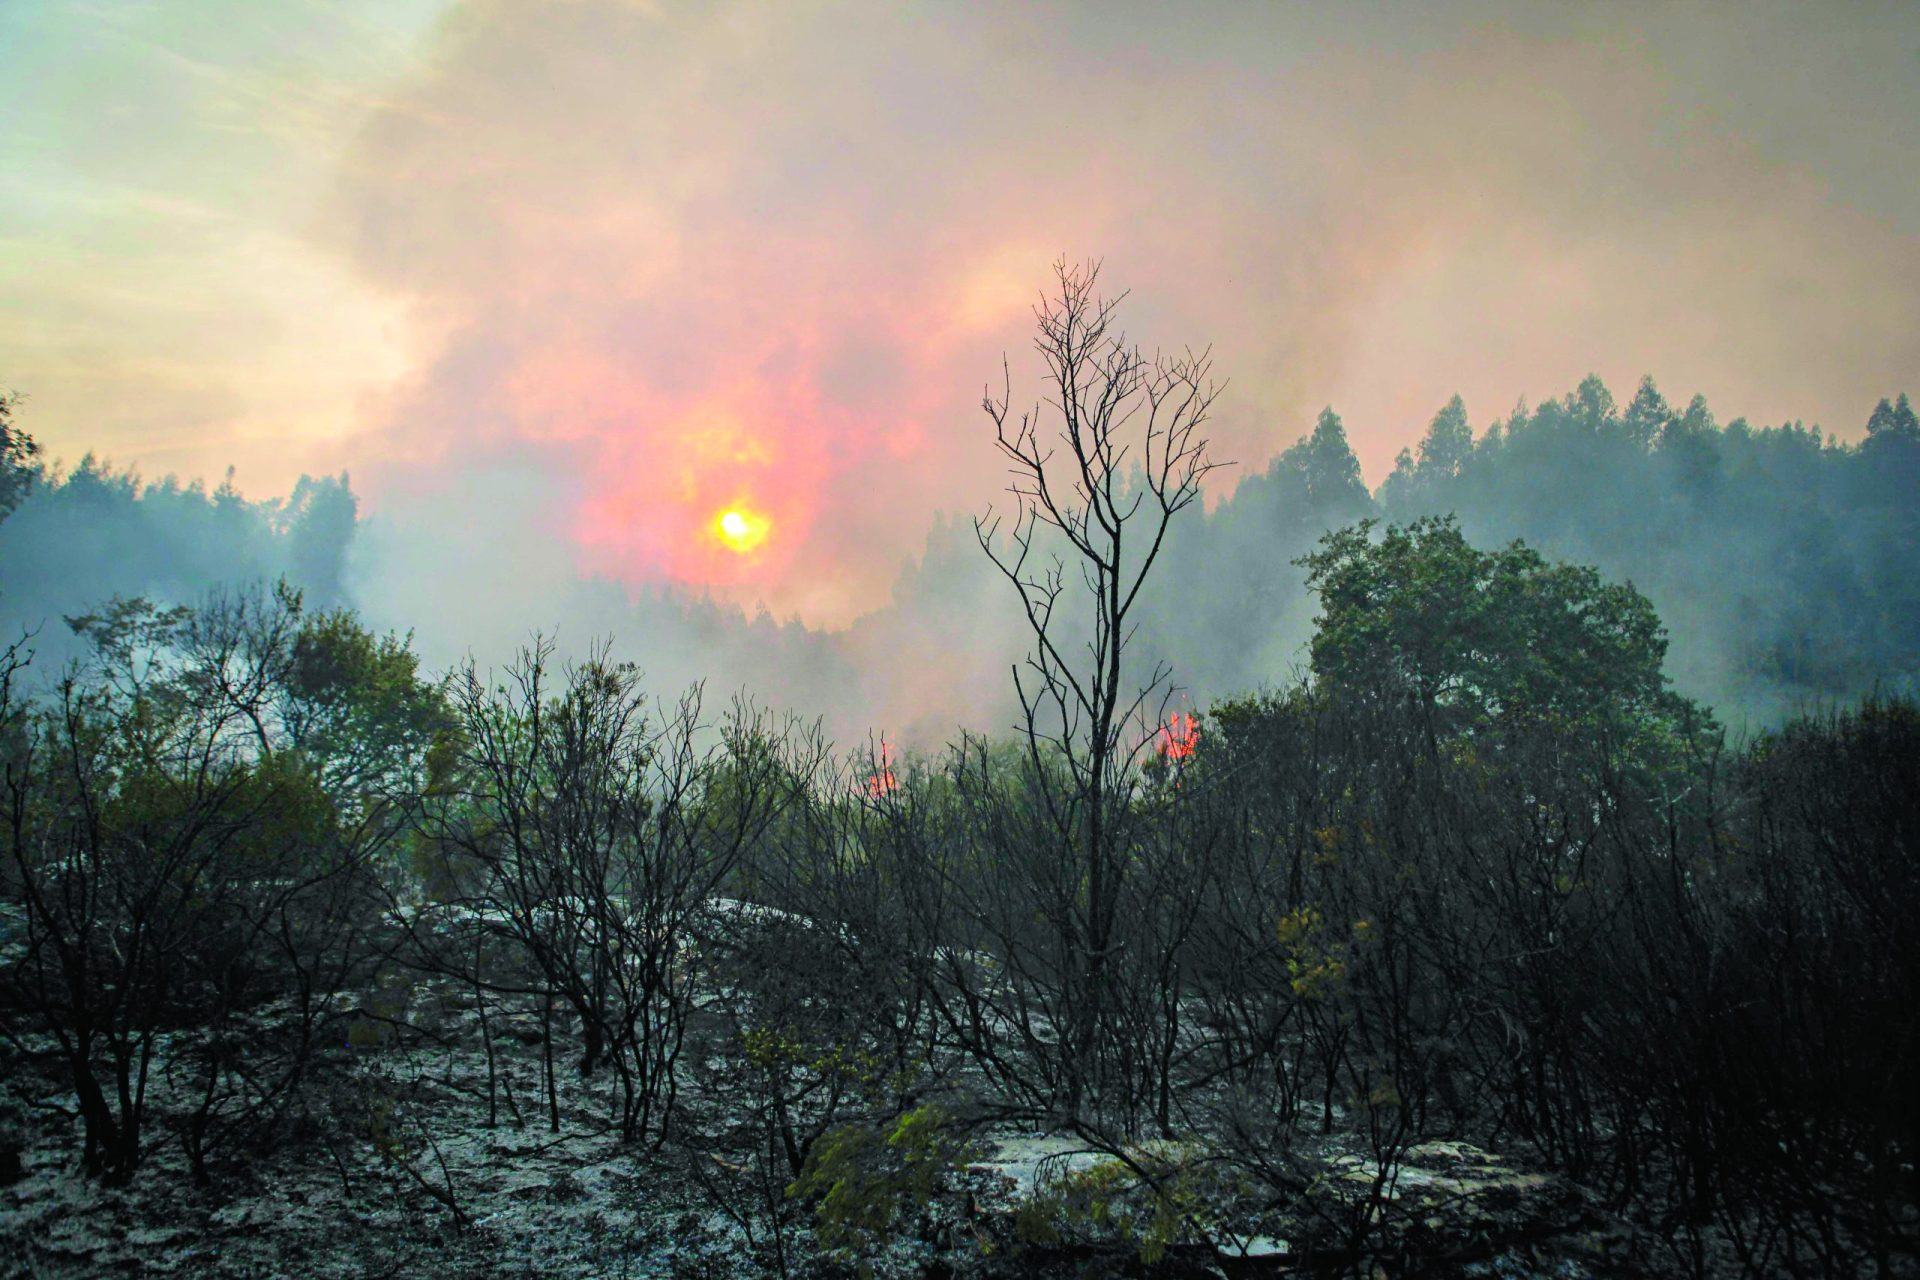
(355, 705)
(1647, 417)
(1325, 461)
(318, 523)
(1481, 639)
(1895, 420)
(1690, 444)
(1591, 406)
(1449, 440)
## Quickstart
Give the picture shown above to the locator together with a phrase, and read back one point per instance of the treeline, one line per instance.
(71, 540)
(1777, 555)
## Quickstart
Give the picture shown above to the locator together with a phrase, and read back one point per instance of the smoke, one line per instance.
(706, 255)
(662, 260)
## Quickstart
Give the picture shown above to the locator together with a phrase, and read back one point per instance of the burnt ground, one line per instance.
(392, 1169)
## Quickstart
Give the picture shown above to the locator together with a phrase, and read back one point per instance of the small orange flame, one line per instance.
(882, 782)
(1178, 737)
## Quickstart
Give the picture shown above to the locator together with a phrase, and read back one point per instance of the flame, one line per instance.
(1178, 737)
(882, 782)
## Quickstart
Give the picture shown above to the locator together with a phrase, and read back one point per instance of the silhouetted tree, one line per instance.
(17, 453)
(1126, 459)
(1448, 442)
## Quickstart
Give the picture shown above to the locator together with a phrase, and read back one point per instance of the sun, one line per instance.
(742, 530)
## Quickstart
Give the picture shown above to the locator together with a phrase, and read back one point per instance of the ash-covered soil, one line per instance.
(524, 1204)
(396, 1162)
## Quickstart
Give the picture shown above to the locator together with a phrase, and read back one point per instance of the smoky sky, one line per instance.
(769, 254)
(610, 268)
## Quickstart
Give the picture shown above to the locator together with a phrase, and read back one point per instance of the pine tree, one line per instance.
(1449, 441)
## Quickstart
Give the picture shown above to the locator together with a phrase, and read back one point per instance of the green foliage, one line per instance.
(1483, 639)
(1159, 1195)
(864, 1179)
(1449, 440)
(1316, 964)
(1894, 421)
(782, 1050)
(358, 707)
(1327, 469)
(1776, 554)
(95, 532)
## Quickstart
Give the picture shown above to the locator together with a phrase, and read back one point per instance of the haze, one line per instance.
(658, 260)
